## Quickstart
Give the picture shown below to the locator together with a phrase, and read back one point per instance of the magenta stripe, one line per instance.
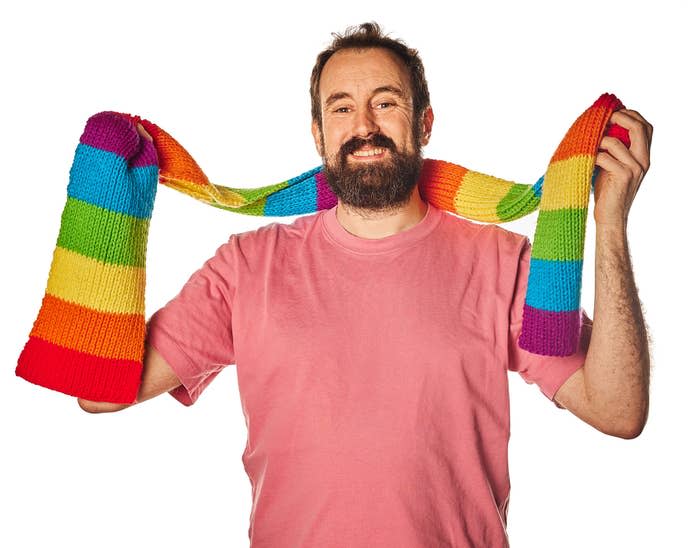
(325, 198)
(550, 333)
(147, 156)
(114, 132)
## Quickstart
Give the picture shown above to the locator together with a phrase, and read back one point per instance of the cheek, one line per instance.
(400, 128)
(333, 138)
(402, 139)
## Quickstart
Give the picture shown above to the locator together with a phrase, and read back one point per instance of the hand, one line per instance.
(143, 132)
(621, 169)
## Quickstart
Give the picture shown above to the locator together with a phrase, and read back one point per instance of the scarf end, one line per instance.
(550, 333)
(79, 374)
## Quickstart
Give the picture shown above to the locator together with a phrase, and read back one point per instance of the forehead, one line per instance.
(352, 71)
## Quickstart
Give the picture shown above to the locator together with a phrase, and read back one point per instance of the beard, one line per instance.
(377, 186)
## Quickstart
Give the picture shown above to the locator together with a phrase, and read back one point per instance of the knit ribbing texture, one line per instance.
(88, 339)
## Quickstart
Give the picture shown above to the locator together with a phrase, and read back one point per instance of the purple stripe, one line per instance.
(114, 132)
(325, 198)
(147, 155)
(550, 333)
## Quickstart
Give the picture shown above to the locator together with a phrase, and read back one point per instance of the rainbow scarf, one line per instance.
(88, 339)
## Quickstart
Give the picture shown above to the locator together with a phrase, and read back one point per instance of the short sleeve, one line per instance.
(193, 332)
(548, 372)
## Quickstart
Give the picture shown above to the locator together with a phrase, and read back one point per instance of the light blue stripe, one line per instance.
(554, 285)
(537, 187)
(104, 179)
(296, 199)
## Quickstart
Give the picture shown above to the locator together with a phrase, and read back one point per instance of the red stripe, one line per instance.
(79, 374)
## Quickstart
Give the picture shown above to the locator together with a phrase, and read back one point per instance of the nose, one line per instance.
(364, 123)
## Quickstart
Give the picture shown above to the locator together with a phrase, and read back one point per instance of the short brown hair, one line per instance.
(365, 36)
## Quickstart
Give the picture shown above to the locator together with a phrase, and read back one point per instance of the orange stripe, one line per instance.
(441, 181)
(104, 334)
(580, 139)
(173, 160)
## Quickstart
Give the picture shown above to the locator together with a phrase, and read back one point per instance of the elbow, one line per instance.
(627, 432)
(628, 428)
(623, 418)
(101, 407)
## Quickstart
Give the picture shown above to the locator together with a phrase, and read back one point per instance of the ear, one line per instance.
(427, 125)
(316, 132)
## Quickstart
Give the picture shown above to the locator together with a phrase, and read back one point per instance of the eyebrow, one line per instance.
(344, 94)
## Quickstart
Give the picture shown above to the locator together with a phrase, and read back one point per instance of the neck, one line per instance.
(373, 224)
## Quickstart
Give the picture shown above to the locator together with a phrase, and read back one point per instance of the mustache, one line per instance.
(376, 140)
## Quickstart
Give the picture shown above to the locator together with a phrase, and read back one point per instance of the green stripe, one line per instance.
(256, 208)
(255, 194)
(519, 201)
(560, 234)
(255, 199)
(110, 237)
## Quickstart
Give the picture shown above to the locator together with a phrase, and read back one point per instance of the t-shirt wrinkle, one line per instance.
(372, 375)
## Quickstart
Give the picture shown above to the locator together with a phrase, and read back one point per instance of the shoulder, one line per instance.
(256, 250)
(483, 236)
(277, 233)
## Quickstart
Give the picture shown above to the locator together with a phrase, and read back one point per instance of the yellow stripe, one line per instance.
(478, 196)
(561, 180)
(96, 285)
(209, 193)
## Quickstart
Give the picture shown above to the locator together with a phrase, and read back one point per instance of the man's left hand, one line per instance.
(621, 169)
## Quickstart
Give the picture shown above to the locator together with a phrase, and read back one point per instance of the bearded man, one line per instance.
(372, 340)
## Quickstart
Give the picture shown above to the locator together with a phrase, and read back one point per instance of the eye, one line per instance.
(342, 110)
(385, 105)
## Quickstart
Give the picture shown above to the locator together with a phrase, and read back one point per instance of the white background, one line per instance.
(231, 84)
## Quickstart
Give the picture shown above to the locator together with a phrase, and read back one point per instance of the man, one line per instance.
(372, 340)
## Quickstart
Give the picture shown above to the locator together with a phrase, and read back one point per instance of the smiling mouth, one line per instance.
(368, 153)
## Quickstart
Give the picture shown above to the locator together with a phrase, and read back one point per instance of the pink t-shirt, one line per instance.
(372, 374)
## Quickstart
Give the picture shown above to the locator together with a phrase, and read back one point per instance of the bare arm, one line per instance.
(158, 377)
(611, 390)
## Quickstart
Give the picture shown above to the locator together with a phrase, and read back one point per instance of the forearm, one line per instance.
(157, 378)
(616, 371)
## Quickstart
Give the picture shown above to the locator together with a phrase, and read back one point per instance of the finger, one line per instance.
(143, 132)
(639, 138)
(618, 171)
(607, 162)
(635, 114)
(647, 126)
(621, 153)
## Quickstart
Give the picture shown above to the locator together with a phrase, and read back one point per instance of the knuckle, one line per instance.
(610, 141)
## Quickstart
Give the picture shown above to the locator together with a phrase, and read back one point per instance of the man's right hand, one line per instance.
(143, 132)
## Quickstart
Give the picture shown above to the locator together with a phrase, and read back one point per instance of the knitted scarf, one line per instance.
(88, 338)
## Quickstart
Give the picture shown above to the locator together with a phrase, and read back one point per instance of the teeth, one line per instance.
(372, 152)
